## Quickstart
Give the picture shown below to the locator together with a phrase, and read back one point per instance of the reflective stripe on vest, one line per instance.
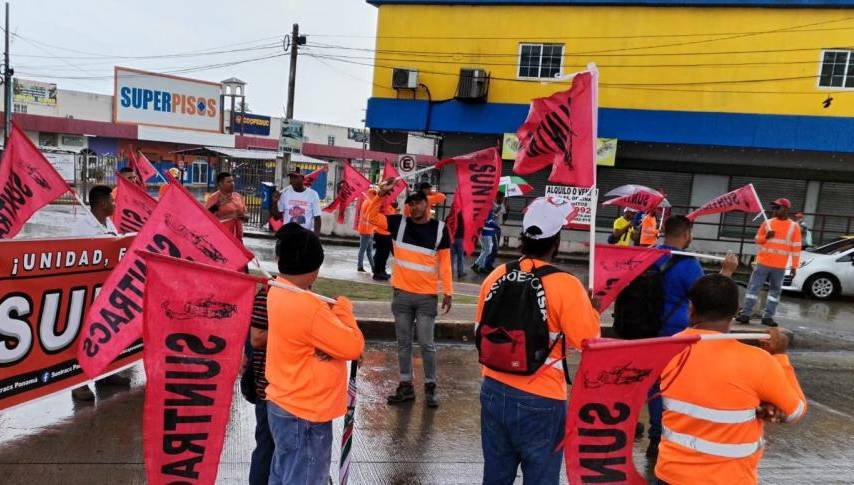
(418, 249)
(415, 266)
(721, 416)
(797, 413)
(740, 450)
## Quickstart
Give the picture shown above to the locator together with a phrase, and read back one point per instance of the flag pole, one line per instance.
(710, 337)
(764, 216)
(697, 255)
(594, 113)
(324, 299)
(418, 172)
(594, 199)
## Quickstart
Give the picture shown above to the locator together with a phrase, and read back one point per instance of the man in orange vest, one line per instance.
(779, 241)
(715, 405)
(366, 233)
(649, 230)
(422, 260)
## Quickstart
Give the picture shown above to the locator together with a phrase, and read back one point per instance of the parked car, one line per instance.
(825, 271)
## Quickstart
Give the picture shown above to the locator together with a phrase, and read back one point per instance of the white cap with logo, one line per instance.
(546, 216)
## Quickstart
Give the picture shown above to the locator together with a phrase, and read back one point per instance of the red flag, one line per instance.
(608, 392)
(28, 182)
(742, 199)
(196, 318)
(617, 266)
(390, 172)
(133, 206)
(477, 184)
(353, 185)
(639, 201)
(357, 214)
(142, 166)
(179, 227)
(311, 177)
(561, 131)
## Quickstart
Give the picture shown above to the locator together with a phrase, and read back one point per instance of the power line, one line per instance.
(160, 56)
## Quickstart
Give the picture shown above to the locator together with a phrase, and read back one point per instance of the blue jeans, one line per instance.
(458, 256)
(485, 250)
(520, 428)
(418, 311)
(656, 410)
(774, 277)
(366, 245)
(262, 456)
(490, 260)
(303, 449)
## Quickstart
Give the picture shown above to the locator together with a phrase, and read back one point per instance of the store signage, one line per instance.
(33, 92)
(292, 136)
(147, 98)
(606, 149)
(248, 124)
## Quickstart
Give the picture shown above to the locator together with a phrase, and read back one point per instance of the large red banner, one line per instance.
(196, 319)
(617, 266)
(608, 392)
(46, 287)
(133, 206)
(477, 183)
(353, 184)
(28, 182)
(179, 227)
(560, 132)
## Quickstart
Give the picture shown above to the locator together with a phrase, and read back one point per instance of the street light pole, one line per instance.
(295, 41)
(7, 86)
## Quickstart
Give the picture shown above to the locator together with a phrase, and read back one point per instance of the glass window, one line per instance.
(540, 60)
(837, 69)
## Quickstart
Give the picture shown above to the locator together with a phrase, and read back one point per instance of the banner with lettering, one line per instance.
(560, 132)
(742, 199)
(28, 182)
(179, 227)
(142, 166)
(133, 206)
(46, 286)
(608, 393)
(477, 184)
(195, 322)
(352, 185)
(617, 266)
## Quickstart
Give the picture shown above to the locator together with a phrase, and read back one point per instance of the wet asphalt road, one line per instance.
(56, 441)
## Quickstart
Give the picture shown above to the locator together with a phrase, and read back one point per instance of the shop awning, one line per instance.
(239, 153)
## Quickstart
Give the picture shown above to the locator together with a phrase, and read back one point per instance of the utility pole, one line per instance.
(293, 44)
(7, 86)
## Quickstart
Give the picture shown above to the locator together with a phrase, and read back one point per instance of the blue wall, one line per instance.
(817, 133)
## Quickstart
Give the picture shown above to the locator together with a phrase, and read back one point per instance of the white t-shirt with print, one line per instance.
(300, 207)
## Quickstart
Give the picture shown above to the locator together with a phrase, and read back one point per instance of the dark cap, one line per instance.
(415, 197)
(299, 250)
(295, 173)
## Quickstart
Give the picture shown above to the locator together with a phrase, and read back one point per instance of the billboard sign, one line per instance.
(249, 124)
(292, 136)
(147, 98)
(33, 92)
(585, 198)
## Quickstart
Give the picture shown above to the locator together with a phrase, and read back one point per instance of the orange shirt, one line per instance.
(300, 382)
(365, 228)
(433, 199)
(649, 230)
(710, 409)
(569, 312)
(775, 253)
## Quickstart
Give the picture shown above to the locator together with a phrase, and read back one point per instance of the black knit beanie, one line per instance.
(299, 250)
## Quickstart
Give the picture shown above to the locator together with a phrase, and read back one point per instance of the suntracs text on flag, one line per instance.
(133, 206)
(478, 174)
(742, 199)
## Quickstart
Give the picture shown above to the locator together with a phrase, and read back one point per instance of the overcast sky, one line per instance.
(59, 40)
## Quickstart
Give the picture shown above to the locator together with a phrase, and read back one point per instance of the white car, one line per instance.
(825, 271)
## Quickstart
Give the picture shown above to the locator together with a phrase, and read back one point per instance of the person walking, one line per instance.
(226, 204)
(523, 416)
(680, 273)
(308, 345)
(499, 211)
(458, 254)
(487, 240)
(720, 394)
(624, 229)
(382, 243)
(779, 241)
(366, 234)
(422, 261)
(300, 204)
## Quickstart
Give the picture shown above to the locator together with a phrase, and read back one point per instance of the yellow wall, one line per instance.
(628, 61)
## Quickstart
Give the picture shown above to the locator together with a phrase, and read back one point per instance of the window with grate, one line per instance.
(540, 61)
(837, 69)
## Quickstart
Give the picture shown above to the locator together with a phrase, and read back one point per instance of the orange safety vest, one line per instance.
(416, 268)
(365, 228)
(710, 431)
(775, 252)
(649, 231)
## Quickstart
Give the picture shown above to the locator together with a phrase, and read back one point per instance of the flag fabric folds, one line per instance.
(743, 199)
(478, 174)
(133, 206)
(351, 187)
(617, 266)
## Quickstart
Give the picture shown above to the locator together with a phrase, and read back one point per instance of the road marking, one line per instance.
(829, 409)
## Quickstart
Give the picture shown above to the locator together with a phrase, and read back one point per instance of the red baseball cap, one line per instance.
(782, 202)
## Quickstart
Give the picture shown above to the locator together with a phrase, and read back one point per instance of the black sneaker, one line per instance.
(382, 277)
(404, 393)
(743, 319)
(430, 395)
(360, 269)
(768, 322)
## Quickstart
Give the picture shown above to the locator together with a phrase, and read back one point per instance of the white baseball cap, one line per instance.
(548, 215)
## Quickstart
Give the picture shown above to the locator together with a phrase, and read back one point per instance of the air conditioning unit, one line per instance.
(473, 85)
(402, 78)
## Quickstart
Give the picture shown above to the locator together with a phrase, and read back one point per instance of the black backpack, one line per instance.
(637, 310)
(513, 335)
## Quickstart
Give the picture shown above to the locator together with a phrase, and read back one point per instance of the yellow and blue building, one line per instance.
(703, 95)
